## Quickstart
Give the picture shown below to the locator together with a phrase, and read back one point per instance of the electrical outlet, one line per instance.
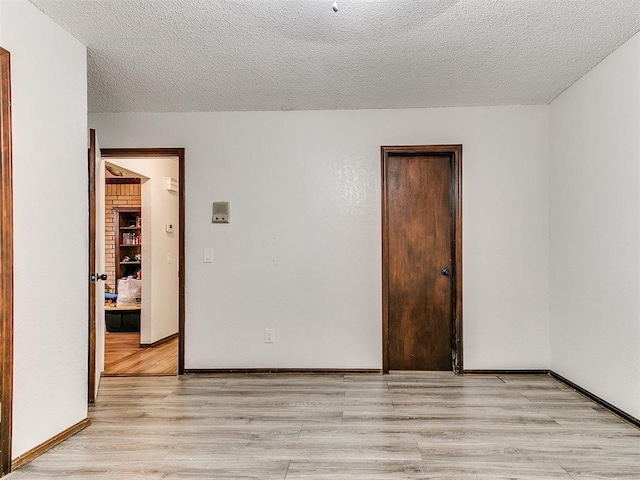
(269, 335)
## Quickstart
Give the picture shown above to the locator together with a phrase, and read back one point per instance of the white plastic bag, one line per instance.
(128, 290)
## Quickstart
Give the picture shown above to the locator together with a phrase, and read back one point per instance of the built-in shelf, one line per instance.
(127, 227)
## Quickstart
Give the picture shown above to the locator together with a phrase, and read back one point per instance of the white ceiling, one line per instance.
(219, 55)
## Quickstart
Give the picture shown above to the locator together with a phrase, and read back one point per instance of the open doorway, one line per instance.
(141, 263)
(141, 255)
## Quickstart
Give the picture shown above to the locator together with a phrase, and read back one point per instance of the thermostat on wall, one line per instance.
(220, 212)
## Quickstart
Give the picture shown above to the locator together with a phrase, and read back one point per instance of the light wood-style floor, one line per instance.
(355, 427)
(124, 357)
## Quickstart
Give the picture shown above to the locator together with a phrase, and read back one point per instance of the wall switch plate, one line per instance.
(169, 257)
(269, 335)
(207, 255)
(168, 227)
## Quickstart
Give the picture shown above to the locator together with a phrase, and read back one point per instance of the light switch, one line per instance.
(168, 227)
(207, 255)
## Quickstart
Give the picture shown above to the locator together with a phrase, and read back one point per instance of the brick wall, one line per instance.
(116, 195)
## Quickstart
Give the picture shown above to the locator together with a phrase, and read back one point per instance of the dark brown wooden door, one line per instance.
(420, 204)
(6, 265)
(96, 276)
(91, 391)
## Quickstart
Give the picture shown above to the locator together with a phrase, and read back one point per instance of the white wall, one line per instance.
(48, 69)
(159, 314)
(594, 230)
(302, 253)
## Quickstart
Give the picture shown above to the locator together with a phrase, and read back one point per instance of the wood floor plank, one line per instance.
(124, 357)
(353, 427)
(118, 345)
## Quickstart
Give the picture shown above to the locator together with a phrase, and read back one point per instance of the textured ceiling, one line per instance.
(218, 55)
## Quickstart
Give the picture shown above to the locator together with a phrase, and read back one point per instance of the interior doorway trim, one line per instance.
(454, 152)
(166, 152)
(6, 264)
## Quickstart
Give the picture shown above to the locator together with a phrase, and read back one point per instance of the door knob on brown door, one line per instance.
(446, 272)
